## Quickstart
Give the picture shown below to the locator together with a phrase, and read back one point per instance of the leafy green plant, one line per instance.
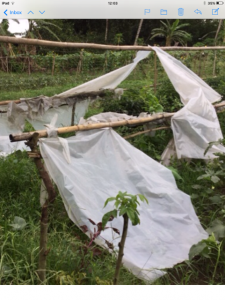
(168, 97)
(126, 206)
(132, 102)
(205, 249)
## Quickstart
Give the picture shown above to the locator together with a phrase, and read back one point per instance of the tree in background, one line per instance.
(35, 26)
(138, 32)
(4, 30)
(172, 32)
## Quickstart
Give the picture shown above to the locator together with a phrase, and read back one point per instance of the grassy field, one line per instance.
(69, 260)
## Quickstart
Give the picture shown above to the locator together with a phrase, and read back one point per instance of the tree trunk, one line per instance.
(121, 247)
(138, 31)
(53, 65)
(168, 41)
(215, 40)
(155, 72)
(106, 29)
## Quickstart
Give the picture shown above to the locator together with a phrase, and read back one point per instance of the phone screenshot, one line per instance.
(112, 142)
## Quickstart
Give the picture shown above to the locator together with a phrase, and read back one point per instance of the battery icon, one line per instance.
(219, 3)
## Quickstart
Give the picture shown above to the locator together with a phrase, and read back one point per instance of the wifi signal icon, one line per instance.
(12, 3)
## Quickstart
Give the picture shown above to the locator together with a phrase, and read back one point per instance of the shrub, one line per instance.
(168, 97)
(132, 102)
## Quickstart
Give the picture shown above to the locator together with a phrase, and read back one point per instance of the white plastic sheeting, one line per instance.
(196, 124)
(107, 81)
(103, 163)
(64, 115)
(42, 109)
(6, 147)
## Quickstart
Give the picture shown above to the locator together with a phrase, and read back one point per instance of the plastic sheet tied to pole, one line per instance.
(41, 109)
(196, 124)
(103, 163)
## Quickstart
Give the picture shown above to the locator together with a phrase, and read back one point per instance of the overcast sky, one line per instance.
(14, 27)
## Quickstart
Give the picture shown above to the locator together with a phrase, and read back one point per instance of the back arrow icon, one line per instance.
(5, 12)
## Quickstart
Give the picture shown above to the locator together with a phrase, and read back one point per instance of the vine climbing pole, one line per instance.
(35, 154)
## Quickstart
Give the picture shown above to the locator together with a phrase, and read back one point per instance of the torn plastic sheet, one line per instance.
(108, 81)
(6, 147)
(196, 124)
(37, 110)
(103, 163)
(186, 83)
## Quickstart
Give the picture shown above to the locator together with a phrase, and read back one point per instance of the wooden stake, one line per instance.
(32, 143)
(145, 131)
(53, 65)
(155, 72)
(73, 113)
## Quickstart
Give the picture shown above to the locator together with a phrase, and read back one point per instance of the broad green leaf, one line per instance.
(123, 210)
(216, 199)
(205, 176)
(107, 216)
(136, 220)
(117, 203)
(108, 200)
(196, 186)
(215, 179)
(131, 215)
(143, 198)
(175, 173)
(218, 228)
(18, 223)
(211, 239)
(197, 249)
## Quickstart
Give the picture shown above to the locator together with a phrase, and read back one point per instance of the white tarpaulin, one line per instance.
(196, 124)
(40, 110)
(107, 81)
(6, 147)
(103, 163)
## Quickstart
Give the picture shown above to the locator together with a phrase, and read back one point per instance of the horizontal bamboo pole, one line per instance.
(145, 131)
(139, 121)
(36, 42)
(43, 133)
(8, 101)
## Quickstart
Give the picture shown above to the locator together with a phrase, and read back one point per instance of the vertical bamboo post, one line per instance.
(204, 66)
(200, 65)
(7, 64)
(53, 65)
(194, 67)
(155, 72)
(73, 113)
(28, 65)
(32, 143)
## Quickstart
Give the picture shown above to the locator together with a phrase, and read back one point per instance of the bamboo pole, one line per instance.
(138, 121)
(73, 114)
(8, 101)
(32, 143)
(36, 42)
(145, 131)
(155, 72)
(53, 65)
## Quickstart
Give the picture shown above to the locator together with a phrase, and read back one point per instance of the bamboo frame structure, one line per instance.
(137, 121)
(36, 42)
(32, 143)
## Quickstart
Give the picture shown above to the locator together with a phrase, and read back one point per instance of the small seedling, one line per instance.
(126, 205)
